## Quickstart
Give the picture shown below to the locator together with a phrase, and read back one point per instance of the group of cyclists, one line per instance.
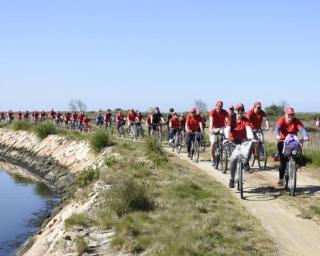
(233, 125)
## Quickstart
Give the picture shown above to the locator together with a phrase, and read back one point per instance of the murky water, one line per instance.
(22, 205)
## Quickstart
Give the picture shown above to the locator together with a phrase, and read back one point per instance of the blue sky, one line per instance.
(139, 54)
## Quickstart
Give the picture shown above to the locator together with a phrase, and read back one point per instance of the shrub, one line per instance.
(129, 196)
(81, 245)
(110, 161)
(99, 140)
(191, 190)
(45, 129)
(21, 125)
(86, 176)
(154, 151)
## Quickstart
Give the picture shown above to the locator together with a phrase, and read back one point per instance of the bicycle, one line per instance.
(133, 132)
(202, 142)
(175, 144)
(242, 151)
(219, 150)
(157, 133)
(293, 153)
(195, 147)
(121, 130)
(259, 151)
(108, 125)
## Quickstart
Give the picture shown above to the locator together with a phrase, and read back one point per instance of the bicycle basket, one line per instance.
(292, 147)
(243, 150)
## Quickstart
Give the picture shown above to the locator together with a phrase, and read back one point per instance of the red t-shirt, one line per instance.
(218, 118)
(238, 132)
(286, 128)
(193, 122)
(86, 121)
(183, 122)
(175, 123)
(107, 116)
(255, 119)
(119, 119)
(132, 116)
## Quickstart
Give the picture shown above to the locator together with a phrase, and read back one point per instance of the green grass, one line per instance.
(99, 140)
(81, 245)
(21, 125)
(315, 207)
(154, 151)
(76, 220)
(45, 129)
(72, 135)
(190, 214)
(86, 176)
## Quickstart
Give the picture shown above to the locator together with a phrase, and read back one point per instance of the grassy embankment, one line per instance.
(160, 205)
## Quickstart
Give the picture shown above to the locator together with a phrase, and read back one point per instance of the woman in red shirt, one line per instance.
(237, 131)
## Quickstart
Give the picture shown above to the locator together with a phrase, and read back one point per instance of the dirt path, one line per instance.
(293, 235)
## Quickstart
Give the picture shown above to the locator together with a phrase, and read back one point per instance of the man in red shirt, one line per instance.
(131, 117)
(237, 131)
(256, 116)
(285, 125)
(217, 120)
(120, 120)
(193, 125)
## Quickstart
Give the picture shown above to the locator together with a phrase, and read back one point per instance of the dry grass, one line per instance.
(192, 215)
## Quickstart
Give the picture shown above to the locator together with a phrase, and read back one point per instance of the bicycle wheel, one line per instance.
(240, 168)
(195, 156)
(217, 157)
(224, 160)
(261, 156)
(292, 176)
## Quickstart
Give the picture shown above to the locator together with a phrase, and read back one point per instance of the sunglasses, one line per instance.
(240, 110)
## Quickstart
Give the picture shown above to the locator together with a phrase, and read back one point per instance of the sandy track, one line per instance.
(292, 234)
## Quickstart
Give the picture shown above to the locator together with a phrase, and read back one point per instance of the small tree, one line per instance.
(77, 105)
(201, 105)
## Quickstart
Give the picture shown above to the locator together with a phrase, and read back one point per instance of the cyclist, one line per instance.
(3, 117)
(157, 120)
(43, 116)
(174, 125)
(131, 117)
(67, 119)
(148, 123)
(26, 115)
(193, 125)
(217, 120)
(19, 115)
(35, 116)
(237, 131)
(58, 119)
(53, 114)
(108, 118)
(99, 120)
(86, 123)
(81, 116)
(120, 120)
(256, 116)
(139, 120)
(10, 116)
(285, 125)
(171, 110)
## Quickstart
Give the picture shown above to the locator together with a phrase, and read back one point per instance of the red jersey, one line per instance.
(286, 128)
(107, 116)
(238, 129)
(86, 121)
(19, 116)
(193, 122)
(139, 117)
(132, 116)
(67, 117)
(81, 117)
(255, 119)
(53, 114)
(183, 122)
(175, 123)
(120, 119)
(218, 118)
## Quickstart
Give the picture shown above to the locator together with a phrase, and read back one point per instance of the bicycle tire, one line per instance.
(195, 156)
(261, 156)
(217, 158)
(240, 168)
(292, 177)
(224, 160)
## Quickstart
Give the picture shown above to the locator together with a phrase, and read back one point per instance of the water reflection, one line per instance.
(23, 204)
